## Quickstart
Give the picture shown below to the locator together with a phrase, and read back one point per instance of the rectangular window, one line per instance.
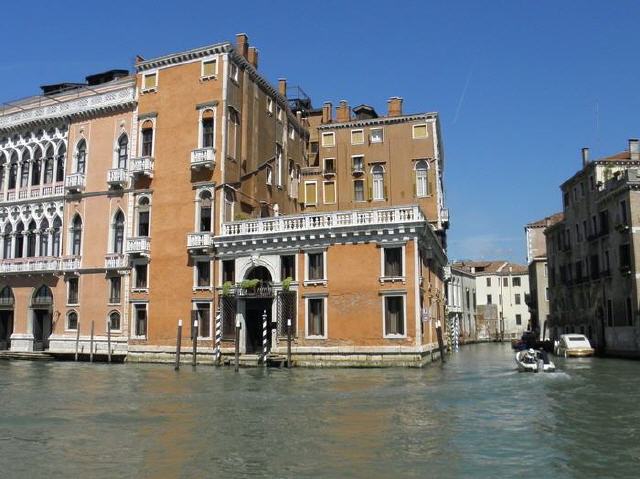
(140, 318)
(72, 291)
(625, 256)
(143, 223)
(228, 271)
(310, 193)
(357, 137)
(489, 299)
(288, 267)
(623, 212)
(203, 315)
(203, 274)
(328, 139)
(233, 71)
(209, 68)
(233, 127)
(329, 166)
(517, 298)
(207, 131)
(149, 81)
(270, 105)
(516, 280)
(488, 282)
(141, 276)
(292, 133)
(357, 164)
(279, 113)
(115, 283)
(315, 317)
(518, 319)
(376, 135)
(420, 131)
(147, 142)
(505, 282)
(546, 293)
(316, 266)
(358, 190)
(629, 312)
(329, 192)
(393, 262)
(72, 321)
(394, 316)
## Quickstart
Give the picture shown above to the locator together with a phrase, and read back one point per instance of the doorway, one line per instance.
(41, 329)
(6, 329)
(254, 310)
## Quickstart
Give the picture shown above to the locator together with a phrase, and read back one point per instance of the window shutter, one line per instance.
(194, 316)
(384, 188)
(429, 186)
(369, 188)
(415, 188)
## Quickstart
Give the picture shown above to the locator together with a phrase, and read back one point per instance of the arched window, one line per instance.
(76, 236)
(6, 296)
(19, 241)
(269, 174)
(378, 182)
(55, 237)
(205, 211)
(143, 216)
(229, 200)
(62, 156)
(44, 237)
(207, 129)
(31, 239)
(13, 171)
(118, 232)
(36, 170)
(42, 296)
(81, 156)
(6, 242)
(147, 138)
(24, 170)
(114, 320)
(48, 166)
(422, 185)
(72, 320)
(123, 151)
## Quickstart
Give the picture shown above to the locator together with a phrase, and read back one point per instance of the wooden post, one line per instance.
(77, 339)
(289, 343)
(237, 346)
(91, 343)
(109, 340)
(440, 341)
(178, 344)
(195, 342)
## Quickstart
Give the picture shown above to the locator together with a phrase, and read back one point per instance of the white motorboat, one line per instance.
(534, 361)
(573, 345)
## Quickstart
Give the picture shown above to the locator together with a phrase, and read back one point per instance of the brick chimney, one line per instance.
(634, 149)
(342, 111)
(394, 106)
(242, 44)
(282, 86)
(327, 108)
(585, 157)
(253, 57)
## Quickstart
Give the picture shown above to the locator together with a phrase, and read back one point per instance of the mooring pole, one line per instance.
(195, 342)
(237, 367)
(77, 339)
(264, 337)
(218, 338)
(109, 340)
(440, 341)
(178, 344)
(91, 344)
(289, 342)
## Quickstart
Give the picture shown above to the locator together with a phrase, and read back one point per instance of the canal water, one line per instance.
(473, 417)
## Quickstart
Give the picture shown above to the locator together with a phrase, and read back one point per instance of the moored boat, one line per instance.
(573, 345)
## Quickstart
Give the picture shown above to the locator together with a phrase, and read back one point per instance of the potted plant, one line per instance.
(249, 284)
(286, 283)
(226, 288)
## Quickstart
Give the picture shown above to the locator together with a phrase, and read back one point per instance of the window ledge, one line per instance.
(208, 77)
(149, 90)
(315, 282)
(111, 303)
(393, 279)
(315, 337)
(395, 336)
(139, 290)
(73, 305)
(66, 330)
(203, 288)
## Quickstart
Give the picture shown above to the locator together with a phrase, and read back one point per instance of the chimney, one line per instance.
(253, 57)
(242, 44)
(326, 112)
(282, 86)
(634, 149)
(342, 111)
(394, 106)
(585, 157)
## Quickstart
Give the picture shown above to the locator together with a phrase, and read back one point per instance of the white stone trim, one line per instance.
(325, 316)
(383, 296)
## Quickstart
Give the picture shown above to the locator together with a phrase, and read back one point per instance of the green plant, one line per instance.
(249, 283)
(226, 288)
(241, 216)
(286, 283)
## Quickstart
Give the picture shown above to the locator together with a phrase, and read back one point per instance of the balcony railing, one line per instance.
(142, 166)
(56, 189)
(117, 177)
(203, 158)
(115, 261)
(140, 245)
(359, 218)
(75, 183)
(198, 241)
(70, 263)
(30, 265)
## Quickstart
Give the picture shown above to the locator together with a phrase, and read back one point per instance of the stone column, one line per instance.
(25, 243)
(12, 253)
(37, 233)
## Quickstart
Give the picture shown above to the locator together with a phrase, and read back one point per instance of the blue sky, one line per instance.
(520, 86)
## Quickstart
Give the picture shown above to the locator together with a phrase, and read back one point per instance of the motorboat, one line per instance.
(534, 361)
(573, 345)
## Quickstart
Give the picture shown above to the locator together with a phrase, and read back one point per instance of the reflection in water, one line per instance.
(473, 417)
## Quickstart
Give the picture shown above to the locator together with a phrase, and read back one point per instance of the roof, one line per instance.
(546, 221)
(496, 267)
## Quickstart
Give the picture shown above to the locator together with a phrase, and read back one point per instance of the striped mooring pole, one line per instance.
(218, 352)
(264, 337)
(456, 334)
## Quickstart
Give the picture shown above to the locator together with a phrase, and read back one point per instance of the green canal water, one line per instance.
(473, 417)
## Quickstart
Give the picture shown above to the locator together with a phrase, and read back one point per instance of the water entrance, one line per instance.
(6, 329)
(254, 311)
(42, 328)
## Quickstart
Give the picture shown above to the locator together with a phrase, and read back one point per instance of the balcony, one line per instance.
(200, 242)
(70, 263)
(140, 246)
(116, 261)
(75, 183)
(142, 166)
(203, 158)
(56, 189)
(117, 177)
(29, 265)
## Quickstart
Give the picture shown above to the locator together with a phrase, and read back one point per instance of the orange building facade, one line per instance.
(195, 191)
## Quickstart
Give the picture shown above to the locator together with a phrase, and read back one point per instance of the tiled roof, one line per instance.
(547, 221)
(497, 267)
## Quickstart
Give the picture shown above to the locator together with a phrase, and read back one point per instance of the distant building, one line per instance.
(538, 299)
(461, 302)
(501, 287)
(592, 257)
